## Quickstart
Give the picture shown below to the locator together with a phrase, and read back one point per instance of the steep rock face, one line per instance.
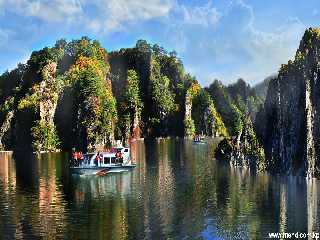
(291, 112)
(65, 118)
(201, 116)
(48, 93)
(188, 121)
(44, 131)
(243, 150)
(5, 128)
(138, 59)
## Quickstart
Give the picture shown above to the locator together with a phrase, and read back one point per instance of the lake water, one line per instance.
(177, 191)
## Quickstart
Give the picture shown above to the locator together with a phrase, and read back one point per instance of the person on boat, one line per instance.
(74, 156)
(196, 138)
(119, 156)
(98, 159)
(80, 156)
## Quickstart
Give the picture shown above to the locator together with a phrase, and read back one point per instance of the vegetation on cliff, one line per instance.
(75, 94)
(78, 65)
(288, 125)
(233, 102)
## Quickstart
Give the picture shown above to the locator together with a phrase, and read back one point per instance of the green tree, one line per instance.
(160, 92)
(162, 98)
(132, 92)
(231, 115)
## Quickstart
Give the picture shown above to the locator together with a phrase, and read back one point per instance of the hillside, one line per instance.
(77, 95)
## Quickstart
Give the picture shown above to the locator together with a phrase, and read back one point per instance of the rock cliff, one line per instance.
(290, 118)
(243, 150)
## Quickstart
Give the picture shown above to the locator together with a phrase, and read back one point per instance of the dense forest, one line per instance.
(77, 95)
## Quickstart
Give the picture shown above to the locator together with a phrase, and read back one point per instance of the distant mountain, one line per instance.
(261, 88)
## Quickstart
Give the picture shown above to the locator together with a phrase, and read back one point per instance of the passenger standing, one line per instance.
(98, 159)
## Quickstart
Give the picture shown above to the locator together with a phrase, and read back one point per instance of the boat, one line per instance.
(116, 160)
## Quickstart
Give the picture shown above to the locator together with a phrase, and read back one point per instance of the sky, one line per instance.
(218, 39)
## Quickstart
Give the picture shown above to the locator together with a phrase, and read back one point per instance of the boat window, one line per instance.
(126, 150)
(88, 156)
(106, 160)
(113, 160)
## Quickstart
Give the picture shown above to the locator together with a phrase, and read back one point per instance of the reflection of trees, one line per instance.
(166, 186)
(18, 197)
(101, 207)
(7, 173)
(27, 171)
(51, 201)
(176, 190)
(7, 190)
(35, 205)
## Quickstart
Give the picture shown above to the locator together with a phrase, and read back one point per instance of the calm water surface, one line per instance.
(177, 191)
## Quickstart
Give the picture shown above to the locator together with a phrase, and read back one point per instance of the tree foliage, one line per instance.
(162, 97)
(94, 93)
(229, 112)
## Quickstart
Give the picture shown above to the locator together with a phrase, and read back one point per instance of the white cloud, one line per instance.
(116, 14)
(46, 10)
(248, 51)
(105, 15)
(226, 42)
(269, 49)
(206, 15)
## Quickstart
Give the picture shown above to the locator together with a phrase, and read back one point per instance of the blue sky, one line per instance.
(215, 39)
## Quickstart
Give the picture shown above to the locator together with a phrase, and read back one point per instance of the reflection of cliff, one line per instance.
(27, 171)
(7, 173)
(106, 199)
(297, 205)
(312, 205)
(20, 211)
(33, 197)
(51, 203)
(283, 209)
(7, 189)
(166, 187)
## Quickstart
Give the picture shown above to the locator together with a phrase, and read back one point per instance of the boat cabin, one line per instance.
(115, 156)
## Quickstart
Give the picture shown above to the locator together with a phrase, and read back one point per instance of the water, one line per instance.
(177, 191)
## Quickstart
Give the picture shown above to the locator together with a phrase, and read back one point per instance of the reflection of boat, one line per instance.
(101, 163)
(97, 187)
(199, 140)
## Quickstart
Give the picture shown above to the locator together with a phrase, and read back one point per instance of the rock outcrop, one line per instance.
(291, 122)
(201, 116)
(244, 150)
(5, 128)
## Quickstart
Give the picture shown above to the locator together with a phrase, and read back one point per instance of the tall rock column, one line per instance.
(44, 132)
(189, 127)
(291, 133)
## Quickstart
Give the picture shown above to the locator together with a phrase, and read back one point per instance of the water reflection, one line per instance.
(176, 191)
